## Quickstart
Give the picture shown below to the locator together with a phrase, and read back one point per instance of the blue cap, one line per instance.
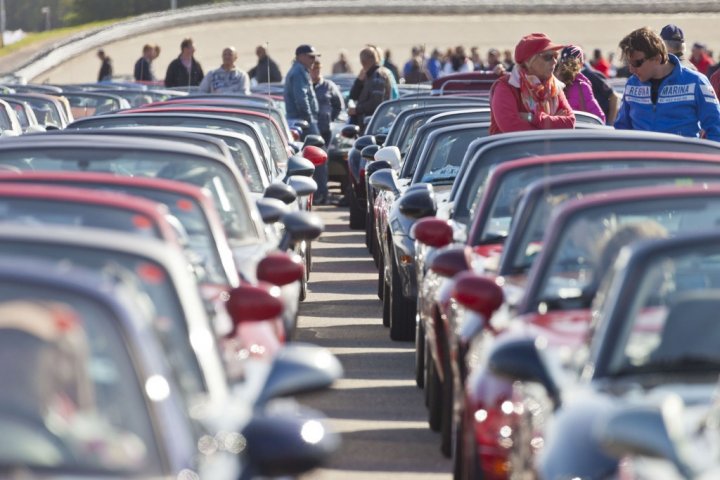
(673, 33)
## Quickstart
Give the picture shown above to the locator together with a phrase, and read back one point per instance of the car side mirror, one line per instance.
(432, 232)
(368, 153)
(298, 165)
(271, 209)
(373, 167)
(450, 262)
(363, 142)
(350, 131)
(519, 360)
(478, 293)
(300, 368)
(303, 186)
(316, 155)
(314, 141)
(279, 268)
(254, 303)
(384, 180)
(418, 202)
(380, 138)
(280, 191)
(390, 155)
(300, 226)
(646, 431)
(286, 445)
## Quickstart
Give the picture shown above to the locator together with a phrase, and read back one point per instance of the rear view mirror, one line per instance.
(384, 180)
(280, 191)
(390, 155)
(418, 202)
(298, 165)
(380, 138)
(433, 232)
(350, 131)
(286, 445)
(279, 268)
(450, 262)
(271, 209)
(303, 186)
(314, 141)
(254, 303)
(368, 153)
(316, 155)
(300, 368)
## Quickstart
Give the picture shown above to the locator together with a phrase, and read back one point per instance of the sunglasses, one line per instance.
(637, 63)
(549, 56)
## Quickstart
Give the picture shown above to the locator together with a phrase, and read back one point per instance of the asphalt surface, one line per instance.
(377, 408)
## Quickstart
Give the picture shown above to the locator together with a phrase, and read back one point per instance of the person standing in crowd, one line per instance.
(342, 65)
(106, 68)
(143, 67)
(184, 71)
(530, 97)
(266, 70)
(700, 58)
(387, 63)
(458, 62)
(330, 105)
(603, 92)
(417, 73)
(508, 61)
(578, 89)
(493, 60)
(228, 78)
(674, 40)
(434, 64)
(475, 58)
(371, 87)
(662, 95)
(600, 64)
(300, 100)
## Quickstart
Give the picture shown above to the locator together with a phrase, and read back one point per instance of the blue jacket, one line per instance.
(686, 102)
(300, 100)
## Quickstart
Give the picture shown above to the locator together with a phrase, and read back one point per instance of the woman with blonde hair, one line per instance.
(578, 89)
(530, 97)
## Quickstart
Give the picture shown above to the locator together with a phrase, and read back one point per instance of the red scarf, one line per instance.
(539, 96)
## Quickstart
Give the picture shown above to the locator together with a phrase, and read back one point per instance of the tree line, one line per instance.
(29, 15)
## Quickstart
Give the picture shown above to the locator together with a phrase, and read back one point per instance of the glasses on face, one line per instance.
(637, 63)
(549, 56)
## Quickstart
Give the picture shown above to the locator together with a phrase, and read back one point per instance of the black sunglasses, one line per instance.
(637, 63)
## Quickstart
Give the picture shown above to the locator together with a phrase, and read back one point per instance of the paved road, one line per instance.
(377, 407)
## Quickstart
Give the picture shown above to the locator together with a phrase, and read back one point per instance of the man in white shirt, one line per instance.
(228, 78)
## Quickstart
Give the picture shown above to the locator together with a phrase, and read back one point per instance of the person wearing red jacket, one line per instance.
(530, 97)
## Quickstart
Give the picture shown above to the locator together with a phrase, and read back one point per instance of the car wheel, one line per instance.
(447, 409)
(381, 278)
(402, 310)
(432, 386)
(386, 303)
(357, 214)
(420, 355)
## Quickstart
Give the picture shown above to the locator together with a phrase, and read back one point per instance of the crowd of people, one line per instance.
(540, 84)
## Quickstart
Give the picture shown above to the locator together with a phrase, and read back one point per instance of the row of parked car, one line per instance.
(154, 251)
(559, 287)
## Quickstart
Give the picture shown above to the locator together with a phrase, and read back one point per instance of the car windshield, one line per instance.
(672, 325)
(441, 162)
(245, 160)
(526, 241)
(28, 211)
(576, 261)
(213, 176)
(486, 159)
(72, 401)
(151, 285)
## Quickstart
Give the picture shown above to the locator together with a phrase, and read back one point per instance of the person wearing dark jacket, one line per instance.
(371, 87)
(266, 70)
(106, 69)
(184, 71)
(143, 67)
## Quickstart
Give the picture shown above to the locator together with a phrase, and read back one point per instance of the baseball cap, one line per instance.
(572, 51)
(308, 49)
(672, 32)
(533, 44)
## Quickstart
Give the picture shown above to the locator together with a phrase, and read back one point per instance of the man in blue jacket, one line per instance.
(300, 100)
(662, 95)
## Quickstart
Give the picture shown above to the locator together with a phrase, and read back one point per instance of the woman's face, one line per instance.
(543, 64)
